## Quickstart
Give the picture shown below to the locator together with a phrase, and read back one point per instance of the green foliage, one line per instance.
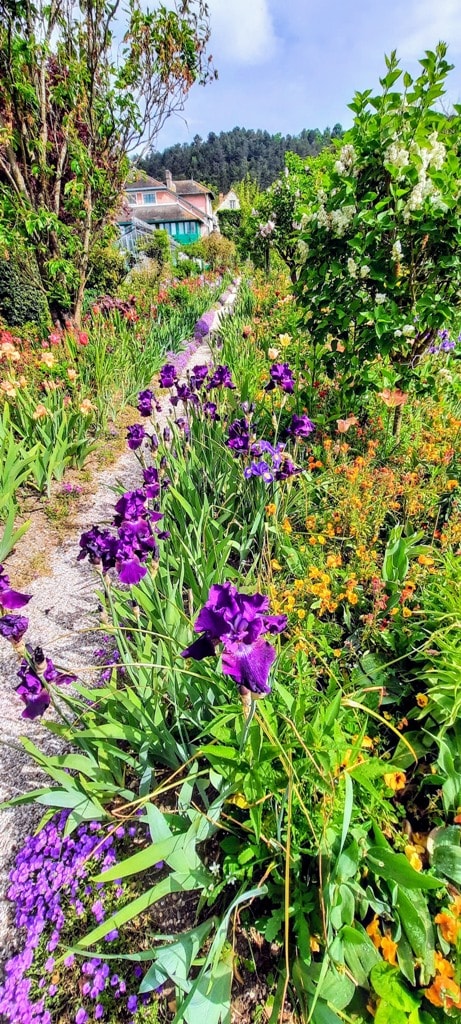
(21, 296)
(230, 223)
(217, 251)
(107, 268)
(382, 270)
(156, 247)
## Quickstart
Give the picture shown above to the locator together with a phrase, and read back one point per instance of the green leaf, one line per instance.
(394, 867)
(388, 983)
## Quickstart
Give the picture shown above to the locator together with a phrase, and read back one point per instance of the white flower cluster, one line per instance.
(397, 155)
(337, 221)
(418, 194)
(397, 250)
(303, 249)
(347, 160)
(301, 225)
(407, 331)
(351, 267)
(266, 230)
(432, 157)
(380, 298)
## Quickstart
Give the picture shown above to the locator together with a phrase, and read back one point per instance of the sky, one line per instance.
(285, 65)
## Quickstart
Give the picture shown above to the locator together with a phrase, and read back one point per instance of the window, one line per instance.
(232, 204)
(149, 197)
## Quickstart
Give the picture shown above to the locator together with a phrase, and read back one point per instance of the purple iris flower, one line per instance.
(131, 505)
(238, 621)
(222, 378)
(151, 482)
(286, 469)
(261, 469)
(145, 400)
(135, 436)
(168, 376)
(100, 546)
(183, 394)
(210, 410)
(239, 436)
(11, 599)
(32, 692)
(198, 375)
(13, 627)
(301, 426)
(282, 377)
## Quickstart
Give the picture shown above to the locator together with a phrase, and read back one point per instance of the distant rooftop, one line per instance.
(189, 187)
(144, 181)
(159, 214)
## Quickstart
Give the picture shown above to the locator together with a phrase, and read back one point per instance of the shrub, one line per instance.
(107, 270)
(156, 247)
(22, 299)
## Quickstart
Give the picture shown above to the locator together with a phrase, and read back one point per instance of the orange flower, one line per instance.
(389, 950)
(373, 931)
(40, 412)
(451, 484)
(395, 780)
(393, 398)
(422, 699)
(344, 425)
(86, 407)
(8, 388)
(449, 926)
(71, 373)
(444, 992)
(412, 853)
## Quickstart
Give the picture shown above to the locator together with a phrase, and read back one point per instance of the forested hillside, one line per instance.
(220, 160)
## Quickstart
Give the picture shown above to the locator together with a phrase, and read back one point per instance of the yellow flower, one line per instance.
(286, 526)
(425, 560)
(314, 945)
(321, 539)
(86, 407)
(407, 612)
(275, 565)
(285, 340)
(422, 699)
(301, 613)
(451, 484)
(337, 652)
(412, 853)
(395, 780)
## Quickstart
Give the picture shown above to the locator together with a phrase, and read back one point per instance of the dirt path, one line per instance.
(63, 620)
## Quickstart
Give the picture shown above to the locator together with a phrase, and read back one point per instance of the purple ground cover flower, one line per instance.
(239, 622)
(135, 436)
(222, 378)
(282, 377)
(145, 402)
(11, 599)
(301, 426)
(52, 872)
(203, 326)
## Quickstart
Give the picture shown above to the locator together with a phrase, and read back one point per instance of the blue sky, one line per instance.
(285, 65)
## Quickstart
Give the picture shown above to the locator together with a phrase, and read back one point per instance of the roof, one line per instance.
(143, 182)
(189, 187)
(158, 214)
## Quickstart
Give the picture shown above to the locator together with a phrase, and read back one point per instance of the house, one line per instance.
(182, 208)
(230, 201)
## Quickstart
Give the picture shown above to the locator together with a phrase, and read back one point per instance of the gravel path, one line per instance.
(63, 620)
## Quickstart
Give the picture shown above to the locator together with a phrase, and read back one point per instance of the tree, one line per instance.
(72, 109)
(382, 232)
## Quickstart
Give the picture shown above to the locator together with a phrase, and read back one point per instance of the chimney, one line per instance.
(169, 181)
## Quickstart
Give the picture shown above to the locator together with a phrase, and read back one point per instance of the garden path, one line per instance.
(63, 620)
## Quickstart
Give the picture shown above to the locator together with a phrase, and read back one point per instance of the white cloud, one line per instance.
(426, 23)
(242, 31)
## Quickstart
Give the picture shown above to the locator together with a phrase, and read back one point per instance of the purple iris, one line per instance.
(183, 394)
(151, 482)
(100, 546)
(239, 436)
(261, 469)
(135, 436)
(222, 378)
(282, 377)
(32, 690)
(145, 400)
(168, 376)
(13, 627)
(198, 375)
(210, 410)
(11, 599)
(301, 426)
(238, 621)
(286, 469)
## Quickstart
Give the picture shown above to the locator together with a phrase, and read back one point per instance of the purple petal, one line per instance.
(250, 665)
(131, 571)
(201, 648)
